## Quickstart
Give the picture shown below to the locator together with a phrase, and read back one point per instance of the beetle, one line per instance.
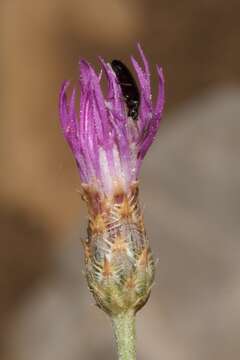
(129, 87)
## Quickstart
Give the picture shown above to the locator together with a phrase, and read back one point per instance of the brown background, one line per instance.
(190, 180)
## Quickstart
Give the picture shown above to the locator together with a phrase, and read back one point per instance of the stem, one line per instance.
(125, 335)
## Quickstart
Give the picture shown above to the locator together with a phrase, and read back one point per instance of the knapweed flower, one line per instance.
(109, 146)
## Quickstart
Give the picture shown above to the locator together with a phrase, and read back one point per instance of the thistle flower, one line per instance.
(109, 147)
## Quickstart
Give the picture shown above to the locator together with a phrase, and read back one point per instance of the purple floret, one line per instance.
(107, 144)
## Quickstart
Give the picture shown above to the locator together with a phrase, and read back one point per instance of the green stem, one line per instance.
(125, 335)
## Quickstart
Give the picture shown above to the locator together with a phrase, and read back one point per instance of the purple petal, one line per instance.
(115, 97)
(107, 144)
(63, 105)
(160, 98)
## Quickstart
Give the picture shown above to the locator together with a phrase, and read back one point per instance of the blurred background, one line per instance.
(190, 179)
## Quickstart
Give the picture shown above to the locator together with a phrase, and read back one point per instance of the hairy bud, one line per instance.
(119, 262)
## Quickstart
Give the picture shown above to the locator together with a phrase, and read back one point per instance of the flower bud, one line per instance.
(119, 262)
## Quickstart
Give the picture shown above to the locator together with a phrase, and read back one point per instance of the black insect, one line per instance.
(129, 87)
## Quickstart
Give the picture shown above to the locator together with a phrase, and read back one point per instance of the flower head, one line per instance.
(109, 138)
(107, 143)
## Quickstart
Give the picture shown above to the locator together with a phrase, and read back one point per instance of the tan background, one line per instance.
(190, 178)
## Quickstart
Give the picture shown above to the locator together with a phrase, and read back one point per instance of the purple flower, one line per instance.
(108, 145)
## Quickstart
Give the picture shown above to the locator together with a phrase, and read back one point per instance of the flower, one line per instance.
(109, 137)
(108, 145)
